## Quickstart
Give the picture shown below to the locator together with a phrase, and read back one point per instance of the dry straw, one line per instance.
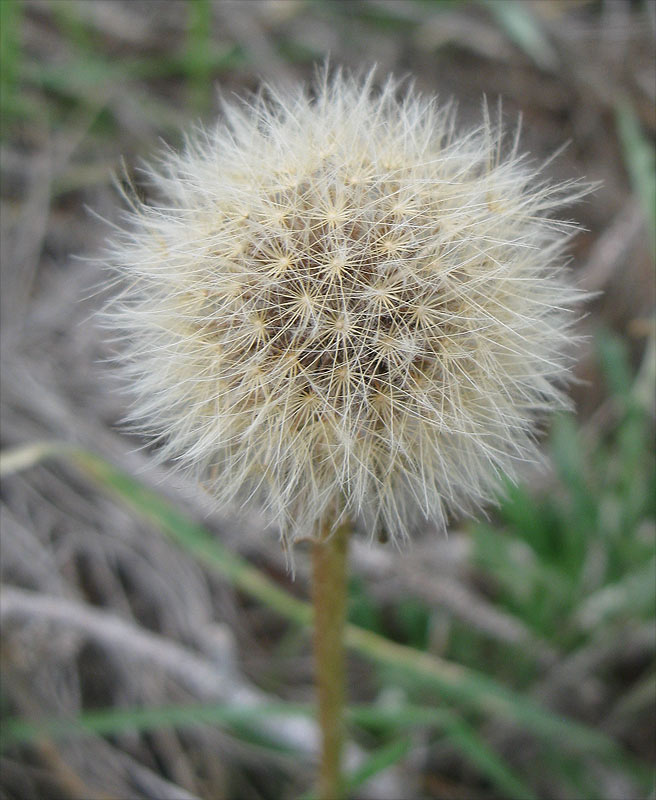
(340, 307)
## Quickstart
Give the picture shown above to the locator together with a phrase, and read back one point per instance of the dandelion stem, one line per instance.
(329, 557)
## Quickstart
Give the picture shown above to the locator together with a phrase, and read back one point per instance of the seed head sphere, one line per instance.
(339, 305)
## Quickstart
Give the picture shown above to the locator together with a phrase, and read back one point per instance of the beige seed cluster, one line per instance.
(339, 304)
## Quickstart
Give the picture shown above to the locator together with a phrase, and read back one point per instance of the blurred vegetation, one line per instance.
(533, 673)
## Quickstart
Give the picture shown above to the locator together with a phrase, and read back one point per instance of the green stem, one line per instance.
(329, 557)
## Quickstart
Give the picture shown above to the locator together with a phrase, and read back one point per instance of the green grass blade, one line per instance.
(74, 31)
(109, 722)
(522, 28)
(461, 735)
(378, 761)
(615, 364)
(640, 160)
(631, 596)
(10, 56)
(488, 762)
(198, 55)
(571, 466)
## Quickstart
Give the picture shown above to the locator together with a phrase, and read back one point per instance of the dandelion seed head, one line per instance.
(338, 304)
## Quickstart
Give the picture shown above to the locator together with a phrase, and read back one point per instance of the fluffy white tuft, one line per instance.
(341, 305)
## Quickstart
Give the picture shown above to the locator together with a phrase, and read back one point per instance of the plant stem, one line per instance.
(329, 556)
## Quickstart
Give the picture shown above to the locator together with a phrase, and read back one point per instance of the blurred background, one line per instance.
(548, 605)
